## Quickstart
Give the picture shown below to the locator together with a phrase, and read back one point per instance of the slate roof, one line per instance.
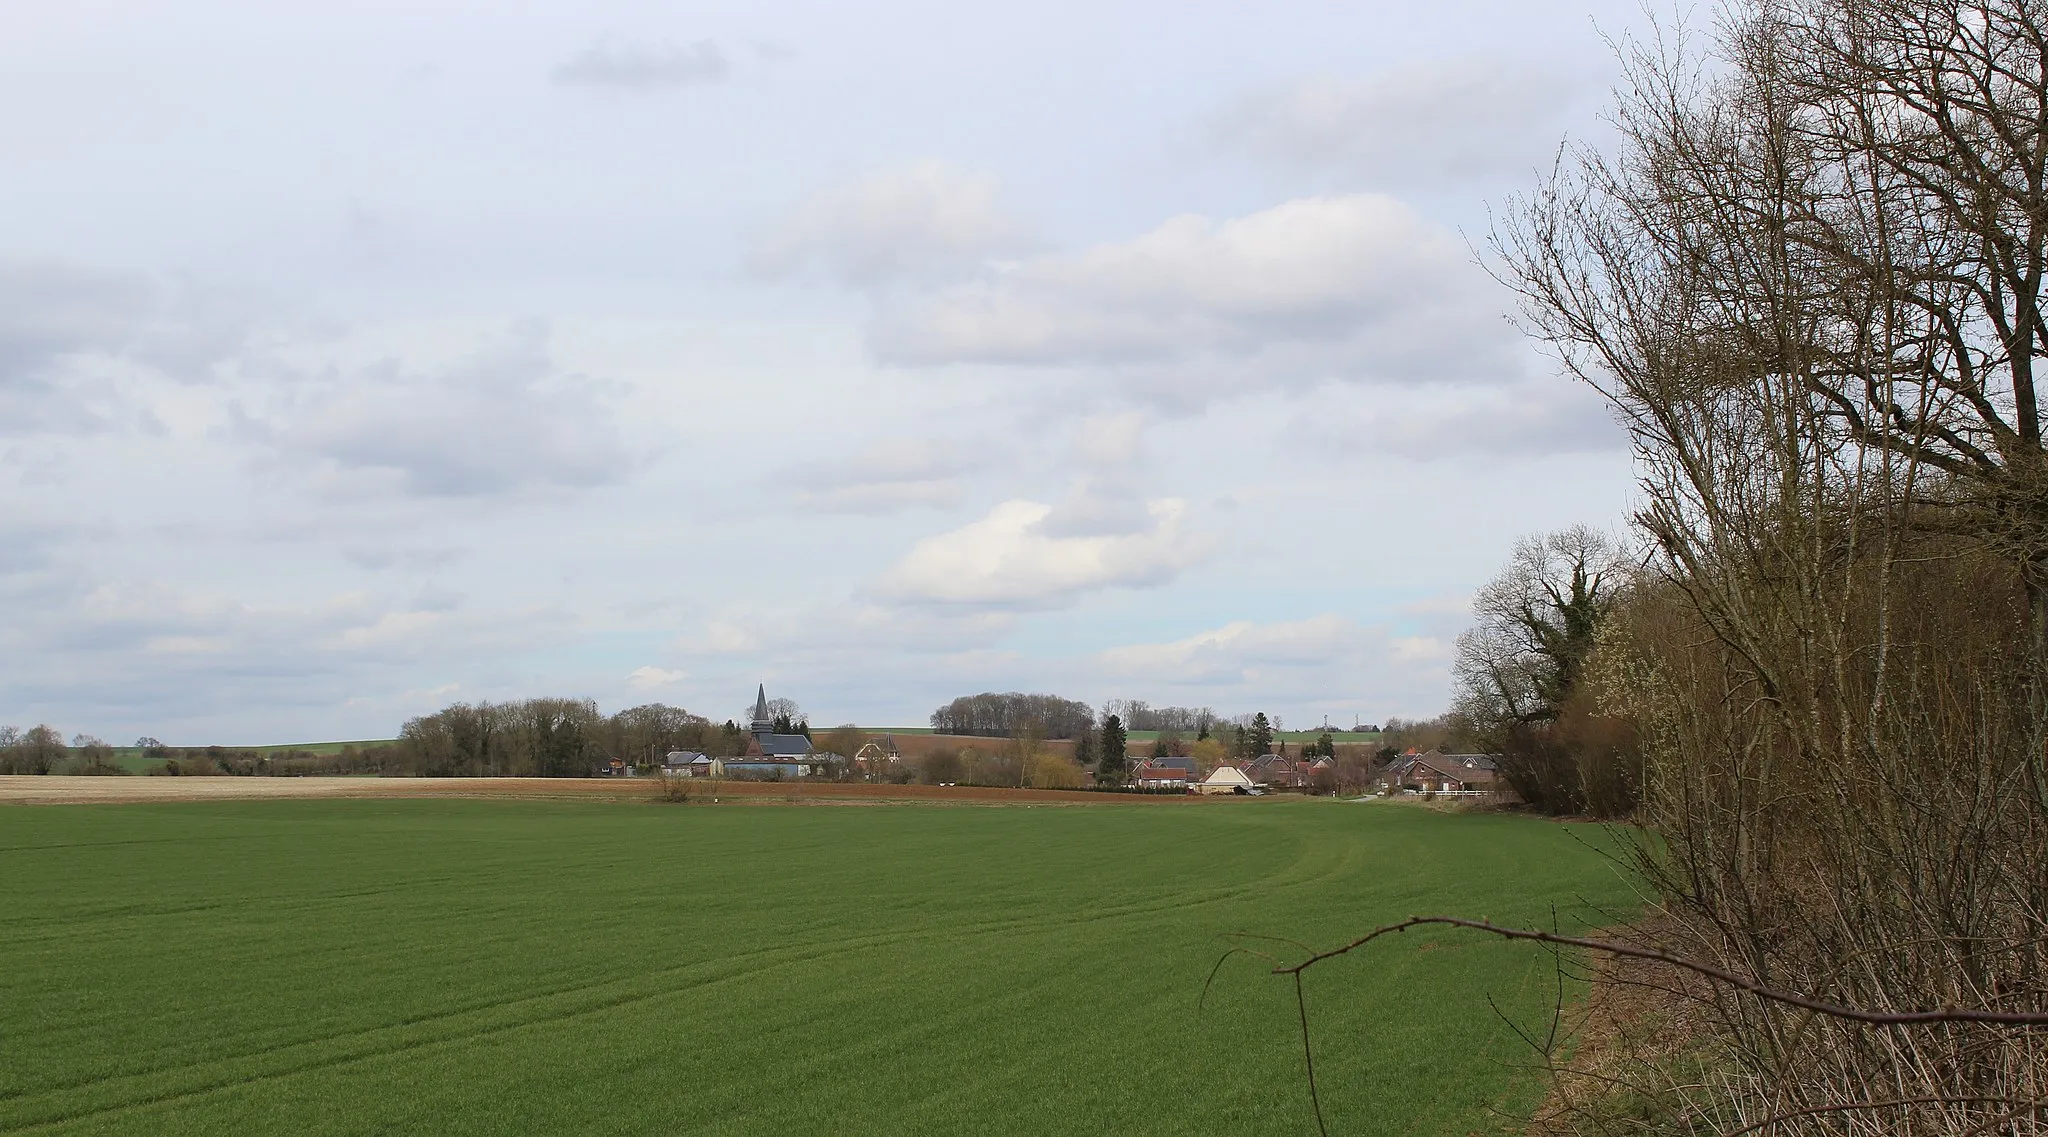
(784, 745)
(1444, 766)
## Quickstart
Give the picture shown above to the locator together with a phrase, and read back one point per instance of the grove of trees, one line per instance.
(995, 715)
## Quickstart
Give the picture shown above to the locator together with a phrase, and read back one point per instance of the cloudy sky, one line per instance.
(356, 359)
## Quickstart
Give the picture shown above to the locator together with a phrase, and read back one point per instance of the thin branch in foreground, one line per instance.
(1708, 970)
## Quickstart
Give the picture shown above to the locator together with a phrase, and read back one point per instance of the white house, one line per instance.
(691, 764)
(1226, 780)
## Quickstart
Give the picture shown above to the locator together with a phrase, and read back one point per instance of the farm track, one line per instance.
(53, 789)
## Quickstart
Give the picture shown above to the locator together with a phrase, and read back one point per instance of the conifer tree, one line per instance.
(1111, 768)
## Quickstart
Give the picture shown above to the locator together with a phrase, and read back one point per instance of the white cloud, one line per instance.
(650, 677)
(1357, 286)
(1419, 125)
(922, 220)
(1226, 653)
(626, 66)
(1013, 559)
(1328, 658)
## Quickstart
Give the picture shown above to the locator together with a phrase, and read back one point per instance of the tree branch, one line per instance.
(1708, 970)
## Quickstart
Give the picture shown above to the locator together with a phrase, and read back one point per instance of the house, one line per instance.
(876, 755)
(1156, 775)
(1273, 770)
(1226, 780)
(691, 764)
(1436, 772)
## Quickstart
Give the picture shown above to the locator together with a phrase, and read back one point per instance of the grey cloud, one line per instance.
(504, 419)
(1352, 286)
(1420, 125)
(65, 330)
(883, 477)
(145, 657)
(1528, 419)
(51, 317)
(48, 312)
(379, 558)
(627, 66)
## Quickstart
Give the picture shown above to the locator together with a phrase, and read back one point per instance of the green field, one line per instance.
(459, 967)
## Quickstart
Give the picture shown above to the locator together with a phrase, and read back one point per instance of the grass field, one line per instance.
(473, 967)
(132, 759)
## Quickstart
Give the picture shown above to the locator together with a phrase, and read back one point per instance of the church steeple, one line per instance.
(763, 724)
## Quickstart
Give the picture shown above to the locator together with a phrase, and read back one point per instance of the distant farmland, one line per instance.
(914, 741)
(471, 967)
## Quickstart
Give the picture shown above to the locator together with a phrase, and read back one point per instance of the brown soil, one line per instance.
(25, 789)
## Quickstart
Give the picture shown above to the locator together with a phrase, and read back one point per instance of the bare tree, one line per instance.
(1810, 283)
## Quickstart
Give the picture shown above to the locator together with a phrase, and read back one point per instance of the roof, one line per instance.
(1227, 776)
(1444, 767)
(1171, 763)
(685, 758)
(761, 705)
(784, 745)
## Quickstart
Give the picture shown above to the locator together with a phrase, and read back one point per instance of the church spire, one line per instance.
(762, 723)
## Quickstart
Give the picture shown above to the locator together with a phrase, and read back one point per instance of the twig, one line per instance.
(1847, 1106)
(1308, 1055)
(1719, 974)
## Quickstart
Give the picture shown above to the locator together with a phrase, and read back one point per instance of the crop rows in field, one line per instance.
(488, 966)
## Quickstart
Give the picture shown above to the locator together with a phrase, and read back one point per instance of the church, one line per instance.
(769, 753)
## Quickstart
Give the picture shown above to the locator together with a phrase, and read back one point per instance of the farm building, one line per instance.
(1226, 780)
(1155, 775)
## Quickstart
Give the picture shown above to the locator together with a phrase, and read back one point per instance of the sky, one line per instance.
(360, 359)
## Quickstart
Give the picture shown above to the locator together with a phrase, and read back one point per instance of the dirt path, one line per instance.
(26, 789)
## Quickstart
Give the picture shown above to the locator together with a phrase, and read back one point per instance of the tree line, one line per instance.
(994, 715)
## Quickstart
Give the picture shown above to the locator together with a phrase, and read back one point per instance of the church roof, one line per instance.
(761, 704)
(783, 745)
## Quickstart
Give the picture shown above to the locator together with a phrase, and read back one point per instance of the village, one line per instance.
(778, 749)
